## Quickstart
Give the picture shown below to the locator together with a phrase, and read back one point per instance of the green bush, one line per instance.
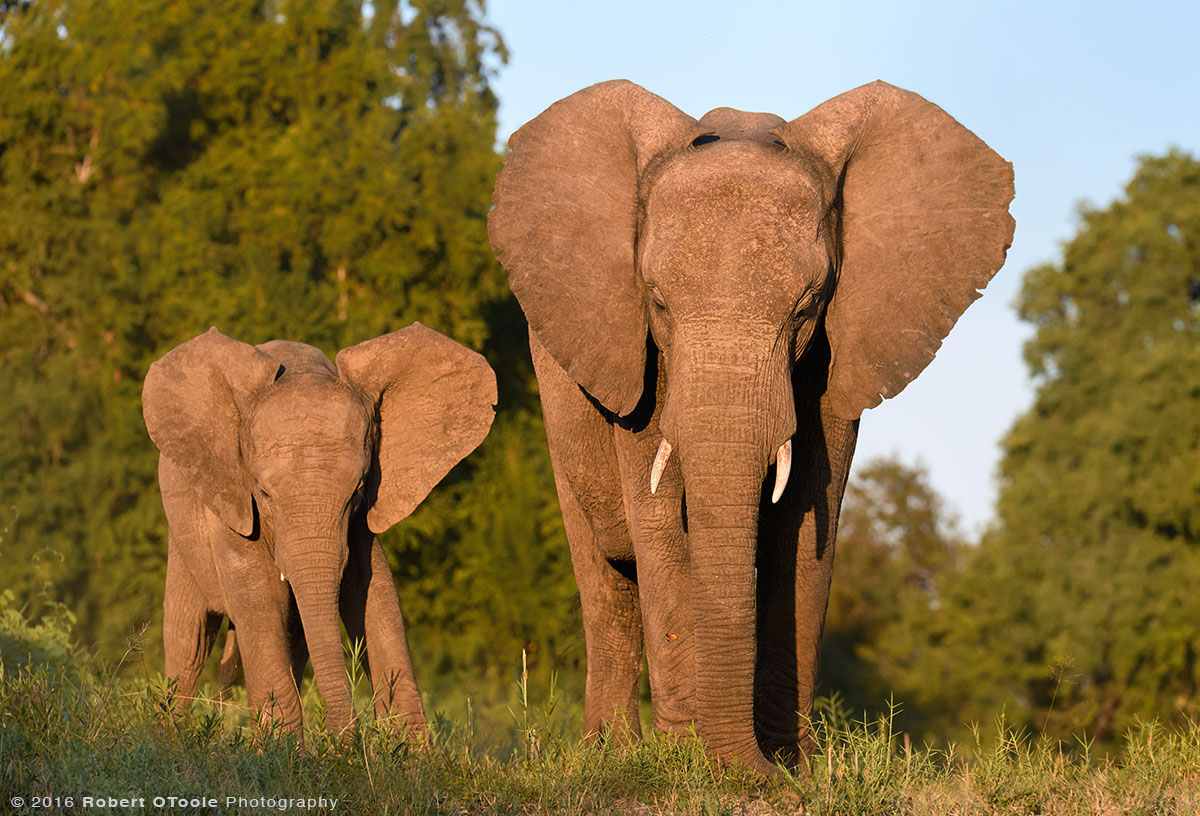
(44, 643)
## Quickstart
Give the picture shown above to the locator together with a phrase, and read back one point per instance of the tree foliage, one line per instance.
(1078, 612)
(897, 548)
(1099, 511)
(318, 170)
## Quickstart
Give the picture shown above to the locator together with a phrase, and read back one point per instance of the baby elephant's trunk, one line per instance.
(316, 578)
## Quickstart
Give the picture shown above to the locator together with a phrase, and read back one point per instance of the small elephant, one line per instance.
(278, 469)
(712, 304)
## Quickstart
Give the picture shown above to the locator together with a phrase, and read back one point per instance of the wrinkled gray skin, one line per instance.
(724, 303)
(277, 471)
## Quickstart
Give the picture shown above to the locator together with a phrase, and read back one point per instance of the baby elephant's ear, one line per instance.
(435, 400)
(193, 401)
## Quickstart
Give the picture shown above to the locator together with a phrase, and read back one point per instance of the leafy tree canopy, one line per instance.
(1080, 608)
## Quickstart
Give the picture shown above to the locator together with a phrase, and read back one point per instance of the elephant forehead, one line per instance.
(294, 417)
(738, 203)
(732, 179)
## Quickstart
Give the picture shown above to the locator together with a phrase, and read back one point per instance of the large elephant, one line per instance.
(712, 304)
(277, 471)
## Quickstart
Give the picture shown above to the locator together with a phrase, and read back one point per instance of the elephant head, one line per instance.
(291, 451)
(871, 222)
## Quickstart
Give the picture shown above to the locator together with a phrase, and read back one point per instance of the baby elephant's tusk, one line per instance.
(660, 464)
(783, 467)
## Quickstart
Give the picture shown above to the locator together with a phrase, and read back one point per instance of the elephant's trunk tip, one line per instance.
(783, 469)
(660, 464)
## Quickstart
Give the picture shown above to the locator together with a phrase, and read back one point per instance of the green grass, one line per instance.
(70, 727)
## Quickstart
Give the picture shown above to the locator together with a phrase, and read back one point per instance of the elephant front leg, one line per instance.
(266, 664)
(612, 625)
(371, 612)
(259, 605)
(795, 565)
(189, 626)
(587, 477)
(663, 574)
(192, 603)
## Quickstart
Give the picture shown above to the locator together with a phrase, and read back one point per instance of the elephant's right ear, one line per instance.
(193, 402)
(565, 224)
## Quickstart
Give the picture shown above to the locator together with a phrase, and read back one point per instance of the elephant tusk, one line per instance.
(783, 468)
(660, 464)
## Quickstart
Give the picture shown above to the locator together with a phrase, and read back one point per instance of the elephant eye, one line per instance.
(707, 138)
(656, 296)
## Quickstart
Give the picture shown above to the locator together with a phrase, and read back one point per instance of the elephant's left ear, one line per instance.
(923, 204)
(435, 401)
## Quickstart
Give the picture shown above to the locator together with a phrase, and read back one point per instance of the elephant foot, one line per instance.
(619, 729)
(748, 756)
(792, 754)
(407, 724)
(675, 726)
(757, 764)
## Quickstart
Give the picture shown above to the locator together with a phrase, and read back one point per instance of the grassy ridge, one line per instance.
(73, 727)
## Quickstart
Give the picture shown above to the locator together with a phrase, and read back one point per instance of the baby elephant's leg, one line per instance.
(371, 612)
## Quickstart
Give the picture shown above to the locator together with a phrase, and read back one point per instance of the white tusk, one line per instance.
(660, 464)
(783, 467)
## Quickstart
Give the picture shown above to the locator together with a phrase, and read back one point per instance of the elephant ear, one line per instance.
(565, 221)
(193, 400)
(435, 401)
(924, 226)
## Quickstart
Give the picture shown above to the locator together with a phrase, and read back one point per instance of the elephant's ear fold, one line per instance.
(923, 204)
(435, 401)
(193, 400)
(565, 224)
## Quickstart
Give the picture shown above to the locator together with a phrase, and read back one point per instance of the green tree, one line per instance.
(1081, 607)
(897, 549)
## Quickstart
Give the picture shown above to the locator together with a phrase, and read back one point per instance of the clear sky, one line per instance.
(1068, 92)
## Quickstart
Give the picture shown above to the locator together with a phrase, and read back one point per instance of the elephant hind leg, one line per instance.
(189, 626)
(230, 662)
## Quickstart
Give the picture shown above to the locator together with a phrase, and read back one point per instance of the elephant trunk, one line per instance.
(729, 434)
(315, 575)
(722, 533)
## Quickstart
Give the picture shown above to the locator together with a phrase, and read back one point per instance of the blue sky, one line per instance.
(1068, 92)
